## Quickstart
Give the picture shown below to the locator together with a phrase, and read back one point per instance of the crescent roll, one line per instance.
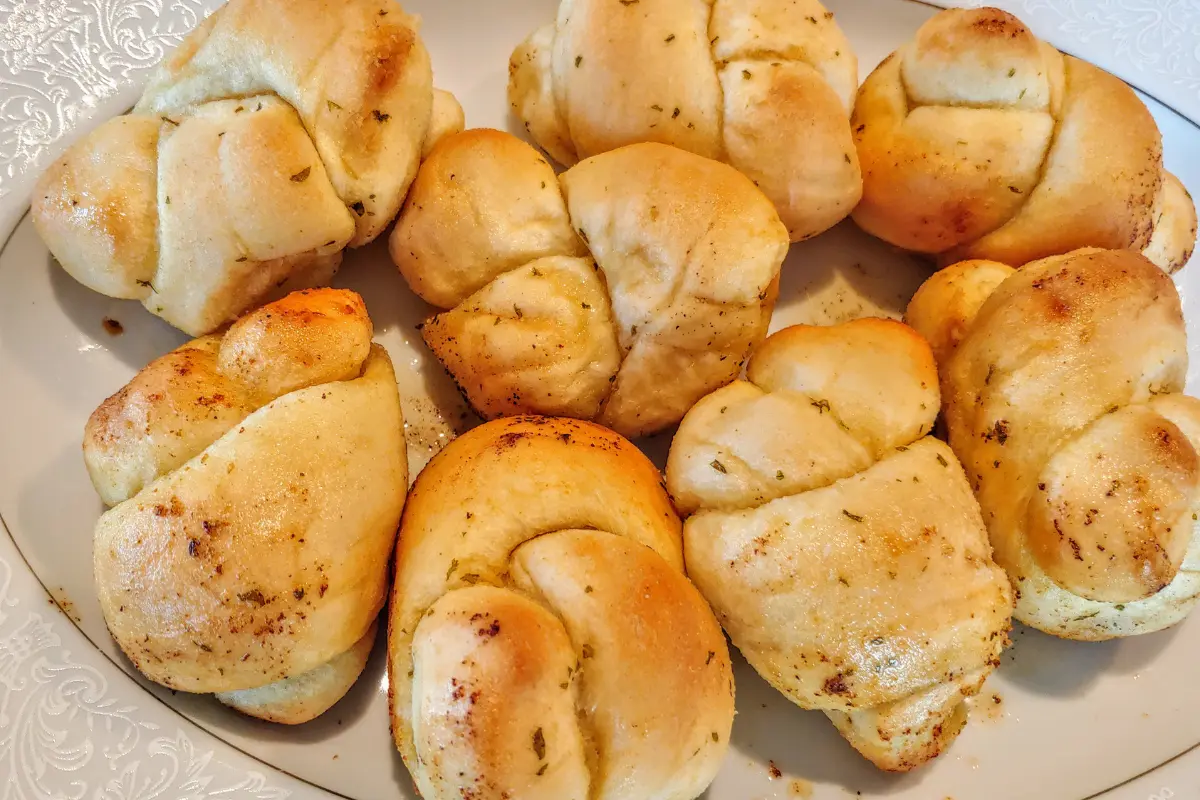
(838, 543)
(1062, 387)
(256, 480)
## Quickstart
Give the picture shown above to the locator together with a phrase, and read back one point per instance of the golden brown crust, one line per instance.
(307, 338)
(549, 332)
(602, 55)
(491, 669)
(841, 547)
(765, 85)
(685, 320)
(483, 203)
(181, 570)
(1114, 522)
(945, 305)
(768, 107)
(935, 176)
(1111, 178)
(877, 376)
(360, 80)
(446, 119)
(258, 488)
(1062, 399)
(179, 404)
(773, 31)
(95, 207)
(904, 735)
(979, 141)
(227, 244)
(820, 404)
(542, 625)
(666, 721)
(490, 232)
(173, 408)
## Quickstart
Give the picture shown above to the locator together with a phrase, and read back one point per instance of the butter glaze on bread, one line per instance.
(621, 291)
(277, 134)
(256, 480)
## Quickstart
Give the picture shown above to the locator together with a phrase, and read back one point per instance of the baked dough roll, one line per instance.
(621, 291)
(764, 85)
(1062, 396)
(257, 480)
(278, 133)
(543, 641)
(838, 543)
(980, 141)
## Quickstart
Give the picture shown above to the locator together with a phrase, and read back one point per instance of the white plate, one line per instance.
(1060, 720)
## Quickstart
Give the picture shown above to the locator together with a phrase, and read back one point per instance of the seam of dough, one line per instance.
(676, 290)
(733, 509)
(592, 754)
(504, 582)
(1043, 165)
(716, 69)
(910, 106)
(763, 54)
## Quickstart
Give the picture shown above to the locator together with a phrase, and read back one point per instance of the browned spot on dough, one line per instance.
(173, 508)
(993, 22)
(836, 685)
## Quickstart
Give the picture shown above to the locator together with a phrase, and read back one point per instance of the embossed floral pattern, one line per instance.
(1154, 35)
(65, 736)
(62, 57)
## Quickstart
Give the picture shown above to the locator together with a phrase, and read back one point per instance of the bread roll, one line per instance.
(764, 85)
(839, 544)
(980, 141)
(1062, 396)
(686, 262)
(256, 480)
(942, 310)
(543, 641)
(446, 119)
(278, 133)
